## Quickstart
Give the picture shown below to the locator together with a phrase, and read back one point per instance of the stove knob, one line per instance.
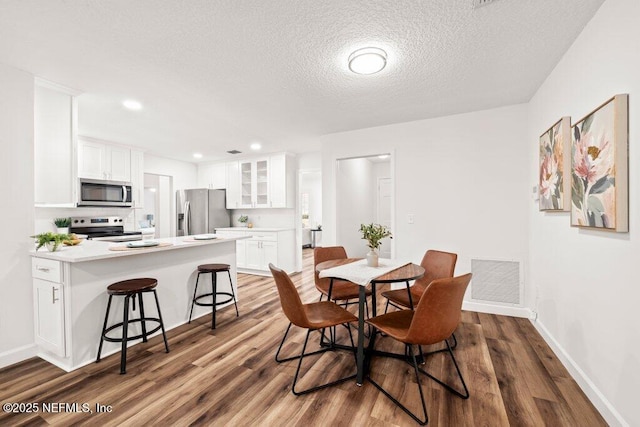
(82, 221)
(75, 221)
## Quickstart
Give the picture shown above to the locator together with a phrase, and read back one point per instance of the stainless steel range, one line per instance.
(107, 228)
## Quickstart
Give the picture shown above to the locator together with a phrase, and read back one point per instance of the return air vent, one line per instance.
(496, 281)
(480, 3)
(234, 152)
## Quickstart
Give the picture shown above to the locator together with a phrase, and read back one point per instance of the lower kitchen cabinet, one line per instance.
(48, 305)
(276, 246)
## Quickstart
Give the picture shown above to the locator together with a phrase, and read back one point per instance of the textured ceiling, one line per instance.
(217, 75)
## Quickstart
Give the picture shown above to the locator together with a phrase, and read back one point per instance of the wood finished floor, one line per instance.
(228, 377)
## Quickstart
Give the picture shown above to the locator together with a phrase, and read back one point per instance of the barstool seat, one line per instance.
(130, 289)
(213, 269)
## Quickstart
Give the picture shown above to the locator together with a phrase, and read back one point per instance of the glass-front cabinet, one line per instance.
(254, 183)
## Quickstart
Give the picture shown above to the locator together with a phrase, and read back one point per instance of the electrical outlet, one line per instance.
(411, 218)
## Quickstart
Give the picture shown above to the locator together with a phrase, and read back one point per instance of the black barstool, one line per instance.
(213, 269)
(129, 289)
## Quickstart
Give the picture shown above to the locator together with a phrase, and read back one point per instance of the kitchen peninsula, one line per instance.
(70, 290)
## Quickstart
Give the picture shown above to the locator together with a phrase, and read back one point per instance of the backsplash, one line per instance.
(272, 218)
(44, 216)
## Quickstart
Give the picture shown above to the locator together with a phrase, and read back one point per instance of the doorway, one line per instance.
(364, 195)
(158, 201)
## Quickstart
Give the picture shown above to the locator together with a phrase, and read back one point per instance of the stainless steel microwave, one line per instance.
(93, 192)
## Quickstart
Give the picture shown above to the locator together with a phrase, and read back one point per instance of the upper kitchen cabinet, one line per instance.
(213, 176)
(254, 183)
(97, 160)
(267, 182)
(282, 181)
(56, 119)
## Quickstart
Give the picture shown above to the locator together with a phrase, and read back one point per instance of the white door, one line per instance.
(91, 160)
(49, 316)
(254, 254)
(119, 164)
(384, 212)
(270, 254)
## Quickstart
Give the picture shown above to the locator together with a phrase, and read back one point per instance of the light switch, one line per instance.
(410, 218)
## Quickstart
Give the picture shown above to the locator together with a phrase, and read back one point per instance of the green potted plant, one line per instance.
(51, 241)
(243, 219)
(373, 234)
(62, 224)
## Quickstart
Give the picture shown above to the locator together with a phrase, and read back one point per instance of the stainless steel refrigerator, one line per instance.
(201, 211)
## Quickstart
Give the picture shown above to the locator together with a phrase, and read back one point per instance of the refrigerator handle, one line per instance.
(187, 218)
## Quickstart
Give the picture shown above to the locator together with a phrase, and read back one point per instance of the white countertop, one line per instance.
(91, 250)
(254, 229)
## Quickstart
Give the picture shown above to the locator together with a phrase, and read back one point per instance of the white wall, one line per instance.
(464, 177)
(311, 184)
(587, 291)
(355, 203)
(17, 215)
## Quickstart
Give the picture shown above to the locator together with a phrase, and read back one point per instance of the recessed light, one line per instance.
(153, 189)
(255, 146)
(383, 156)
(131, 104)
(197, 155)
(368, 60)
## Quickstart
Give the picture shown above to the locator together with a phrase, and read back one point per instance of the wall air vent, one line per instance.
(496, 281)
(480, 3)
(234, 152)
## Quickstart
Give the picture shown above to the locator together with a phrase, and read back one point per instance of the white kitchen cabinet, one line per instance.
(137, 178)
(282, 181)
(276, 246)
(233, 185)
(97, 160)
(213, 176)
(55, 130)
(254, 183)
(48, 305)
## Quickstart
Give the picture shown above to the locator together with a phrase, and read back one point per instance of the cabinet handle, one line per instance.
(44, 269)
(53, 295)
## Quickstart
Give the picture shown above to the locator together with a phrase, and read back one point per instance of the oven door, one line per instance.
(104, 193)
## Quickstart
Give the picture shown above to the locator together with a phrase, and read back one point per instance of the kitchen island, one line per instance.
(70, 290)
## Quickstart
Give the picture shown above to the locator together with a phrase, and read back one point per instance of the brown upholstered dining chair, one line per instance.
(313, 316)
(342, 290)
(435, 318)
(437, 265)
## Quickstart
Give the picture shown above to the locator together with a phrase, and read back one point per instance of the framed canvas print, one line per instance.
(554, 184)
(599, 168)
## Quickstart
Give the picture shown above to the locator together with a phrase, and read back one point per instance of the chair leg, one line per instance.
(312, 389)
(386, 307)
(125, 331)
(464, 395)
(142, 321)
(193, 300)
(164, 334)
(214, 289)
(411, 354)
(104, 327)
(234, 294)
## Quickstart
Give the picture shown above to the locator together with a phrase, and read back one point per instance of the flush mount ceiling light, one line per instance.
(132, 104)
(383, 156)
(197, 155)
(368, 60)
(255, 146)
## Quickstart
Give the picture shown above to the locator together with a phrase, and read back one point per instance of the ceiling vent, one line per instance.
(234, 152)
(480, 3)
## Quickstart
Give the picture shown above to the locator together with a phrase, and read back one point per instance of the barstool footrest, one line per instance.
(210, 304)
(136, 337)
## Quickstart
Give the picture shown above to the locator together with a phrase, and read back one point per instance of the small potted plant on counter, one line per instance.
(49, 240)
(62, 224)
(373, 234)
(243, 219)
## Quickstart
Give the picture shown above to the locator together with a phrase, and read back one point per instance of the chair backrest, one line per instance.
(326, 254)
(438, 313)
(289, 298)
(437, 265)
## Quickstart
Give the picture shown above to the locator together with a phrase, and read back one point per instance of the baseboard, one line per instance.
(504, 310)
(602, 404)
(18, 355)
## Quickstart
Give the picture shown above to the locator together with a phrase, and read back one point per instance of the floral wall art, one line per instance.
(599, 176)
(555, 163)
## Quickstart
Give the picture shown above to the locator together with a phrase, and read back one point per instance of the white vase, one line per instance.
(372, 258)
(63, 230)
(51, 246)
